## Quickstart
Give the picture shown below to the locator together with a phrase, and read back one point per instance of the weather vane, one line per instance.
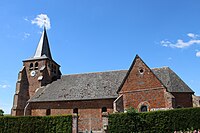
(45, 22)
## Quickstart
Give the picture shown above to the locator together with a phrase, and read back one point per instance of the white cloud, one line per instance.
(192, 35)
(165, 43)
(42, 20)
(26, 35)
(198, 54)
(26, 19)
(170, 58)
(4, 86)
(180, 43)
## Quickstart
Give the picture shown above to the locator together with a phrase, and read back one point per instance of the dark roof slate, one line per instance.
(43, 48)
(100, 85)
(171, 80)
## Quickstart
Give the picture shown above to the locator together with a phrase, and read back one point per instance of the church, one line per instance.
(42, 90)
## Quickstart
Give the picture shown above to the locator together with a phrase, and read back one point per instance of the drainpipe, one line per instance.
(26, 108)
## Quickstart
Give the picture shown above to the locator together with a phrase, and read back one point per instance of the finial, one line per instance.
(45, 23)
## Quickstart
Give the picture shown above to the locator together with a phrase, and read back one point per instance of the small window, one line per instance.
(48, 112)
(179, 106)
(75, 110)
(36, 65)
(143, 108)
(31, 66)
(104, 109)
(141, 70)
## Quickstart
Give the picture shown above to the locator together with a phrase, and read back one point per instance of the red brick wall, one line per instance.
(46, 73)
(183, 99)
(151, 98)
(90, 115)
(27, 84)
(138, 81)
(142, 85)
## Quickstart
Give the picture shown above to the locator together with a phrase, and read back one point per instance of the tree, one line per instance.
(1, 112)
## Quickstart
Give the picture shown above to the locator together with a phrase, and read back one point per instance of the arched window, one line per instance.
(31, 66)
(75, 110)
(179, 106)
(48, 112)
(143, 108)
(36, 65)
(104, 109)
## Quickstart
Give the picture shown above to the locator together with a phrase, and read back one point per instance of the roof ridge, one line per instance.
(160, 67)
(94, 72)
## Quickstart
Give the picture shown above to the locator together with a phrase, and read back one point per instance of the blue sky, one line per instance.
(101, 35)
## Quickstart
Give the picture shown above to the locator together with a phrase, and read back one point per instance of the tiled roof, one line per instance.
(100, 85)
(171, 80)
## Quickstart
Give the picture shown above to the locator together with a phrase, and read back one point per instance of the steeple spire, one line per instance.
(43, 49)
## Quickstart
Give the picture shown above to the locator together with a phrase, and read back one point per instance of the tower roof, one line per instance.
(43, 49)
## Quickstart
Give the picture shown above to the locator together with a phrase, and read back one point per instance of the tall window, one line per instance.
(48, 112)
(36, 65)
(143, 108)
(31, 66)
(75, 110)
(104, 109)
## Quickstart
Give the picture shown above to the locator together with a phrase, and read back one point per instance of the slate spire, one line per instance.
(43, 49)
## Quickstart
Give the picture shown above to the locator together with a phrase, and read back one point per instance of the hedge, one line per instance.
(156, 121)
(37, 124)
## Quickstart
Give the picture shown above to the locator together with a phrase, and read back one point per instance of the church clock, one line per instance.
(33, 73)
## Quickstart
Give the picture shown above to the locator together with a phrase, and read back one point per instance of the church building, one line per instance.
(42, 90)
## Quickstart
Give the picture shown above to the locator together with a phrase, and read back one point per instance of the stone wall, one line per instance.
(196, 101)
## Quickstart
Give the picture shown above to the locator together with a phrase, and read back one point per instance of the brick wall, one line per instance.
(183, 99)
(140, 77)
(27, 85)
(152, 98)
(90, 111)
(142, 87)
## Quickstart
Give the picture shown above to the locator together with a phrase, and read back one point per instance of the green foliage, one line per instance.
(131, 110)
(157, 121)
(30, 124)
(1, 112)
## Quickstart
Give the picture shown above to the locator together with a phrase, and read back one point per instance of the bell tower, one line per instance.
(37, 71)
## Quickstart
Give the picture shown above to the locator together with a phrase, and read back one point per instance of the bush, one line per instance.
(31, 124)
(157, 121)
(1, 112)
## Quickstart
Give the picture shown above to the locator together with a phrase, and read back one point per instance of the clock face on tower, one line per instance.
(33, 73)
